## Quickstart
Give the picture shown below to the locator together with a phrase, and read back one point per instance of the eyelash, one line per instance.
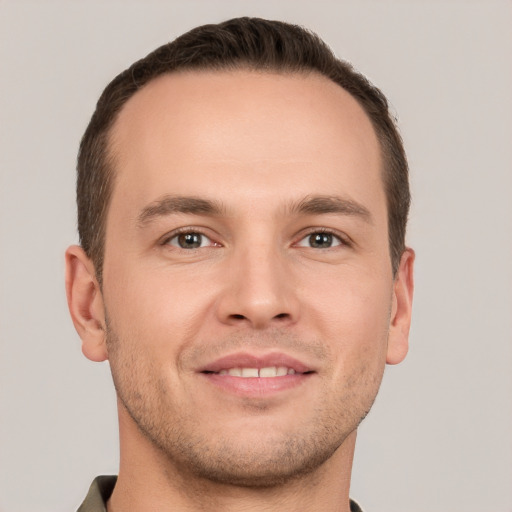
(186, 231)
(343, 240)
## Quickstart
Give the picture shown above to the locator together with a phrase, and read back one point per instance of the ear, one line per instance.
(85, 303)
(403, 288)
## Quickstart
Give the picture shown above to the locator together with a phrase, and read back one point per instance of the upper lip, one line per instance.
(246, 360)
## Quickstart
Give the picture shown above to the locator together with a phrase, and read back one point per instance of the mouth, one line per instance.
(249, 375)
(252, 373)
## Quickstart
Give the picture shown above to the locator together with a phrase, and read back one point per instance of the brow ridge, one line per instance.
(310, 205)
(325, 204)
(169, 204)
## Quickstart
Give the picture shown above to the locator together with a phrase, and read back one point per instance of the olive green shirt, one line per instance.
(102, 487)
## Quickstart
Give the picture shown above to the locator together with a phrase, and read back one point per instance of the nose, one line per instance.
(259, 290)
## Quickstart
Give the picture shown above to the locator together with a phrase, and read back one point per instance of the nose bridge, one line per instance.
(259, 289)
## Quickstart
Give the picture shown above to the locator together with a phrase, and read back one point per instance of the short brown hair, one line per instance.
(239, 43)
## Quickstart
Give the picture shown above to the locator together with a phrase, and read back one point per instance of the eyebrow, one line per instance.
(321, 205)
(310, 205)
(179, 204)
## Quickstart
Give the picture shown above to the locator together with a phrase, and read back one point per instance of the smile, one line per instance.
(252, 366)
(267, 372)
(257, 376)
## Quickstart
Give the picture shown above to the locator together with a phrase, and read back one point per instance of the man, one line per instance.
(242, 202)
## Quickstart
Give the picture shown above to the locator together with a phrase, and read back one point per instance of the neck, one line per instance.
(148, 480)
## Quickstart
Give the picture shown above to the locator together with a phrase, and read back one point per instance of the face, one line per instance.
(248, 293)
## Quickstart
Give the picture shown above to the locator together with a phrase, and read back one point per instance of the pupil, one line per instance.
(320, 240)
(189, 240)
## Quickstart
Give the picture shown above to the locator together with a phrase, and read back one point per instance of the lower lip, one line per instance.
(256, 386)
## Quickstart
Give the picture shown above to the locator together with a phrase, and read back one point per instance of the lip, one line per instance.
(245, 360)
(256, 387)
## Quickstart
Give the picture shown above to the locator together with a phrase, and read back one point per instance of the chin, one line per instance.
(264, 460)
(268, 465)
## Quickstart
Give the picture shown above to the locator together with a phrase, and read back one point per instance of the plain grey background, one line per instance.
(440, 434)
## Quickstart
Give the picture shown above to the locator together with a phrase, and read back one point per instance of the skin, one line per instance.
(259, 145)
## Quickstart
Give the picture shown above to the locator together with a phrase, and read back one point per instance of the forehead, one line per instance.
(218, 131)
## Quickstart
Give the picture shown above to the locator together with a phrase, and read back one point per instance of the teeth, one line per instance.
(249, 372)
(269, 371)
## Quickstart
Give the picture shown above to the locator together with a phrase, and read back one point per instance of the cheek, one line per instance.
(351, 301)
(156, 306)
(353, 317)
(358, 333)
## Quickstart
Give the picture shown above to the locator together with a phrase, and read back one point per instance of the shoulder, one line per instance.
(354, 507)
(98, 495)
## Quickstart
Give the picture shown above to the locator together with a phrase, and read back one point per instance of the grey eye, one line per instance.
(320, 240)
(189, 241)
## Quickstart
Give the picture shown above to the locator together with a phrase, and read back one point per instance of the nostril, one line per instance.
(258, 319)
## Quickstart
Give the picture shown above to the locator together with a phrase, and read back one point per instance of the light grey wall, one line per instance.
(439, 437)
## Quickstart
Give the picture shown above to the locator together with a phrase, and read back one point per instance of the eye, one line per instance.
(190, 240)
(320, 240)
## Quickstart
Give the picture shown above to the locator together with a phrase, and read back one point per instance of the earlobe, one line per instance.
(403, 288)
(85, 303)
